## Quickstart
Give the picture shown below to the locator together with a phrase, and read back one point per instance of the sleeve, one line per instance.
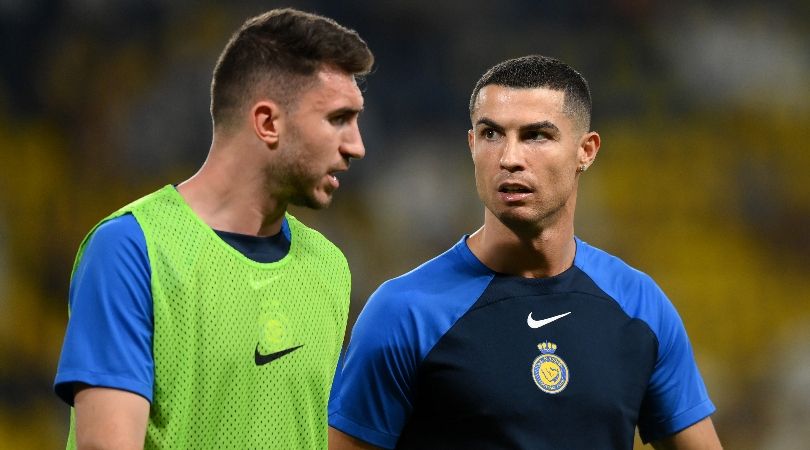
(108, 341)
(676, 397)
(372, 401)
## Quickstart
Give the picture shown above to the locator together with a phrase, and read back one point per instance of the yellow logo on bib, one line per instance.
(549, 371)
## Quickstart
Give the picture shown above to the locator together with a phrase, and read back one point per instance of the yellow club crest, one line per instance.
(549, 371)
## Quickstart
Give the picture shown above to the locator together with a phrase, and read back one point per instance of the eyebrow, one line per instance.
(488, 122)
(542, 125)
(344, 111)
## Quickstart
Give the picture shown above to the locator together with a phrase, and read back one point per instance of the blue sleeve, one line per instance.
(397, 328)
(372, 399)
(108, 341)
(676, 396)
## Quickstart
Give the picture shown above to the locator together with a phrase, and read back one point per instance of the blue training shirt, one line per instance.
(454, 355)
(108, 341)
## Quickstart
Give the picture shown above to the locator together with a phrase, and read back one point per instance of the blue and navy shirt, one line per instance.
(454, 355)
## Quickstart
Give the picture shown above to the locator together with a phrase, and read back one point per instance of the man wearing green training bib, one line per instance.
(204, 315)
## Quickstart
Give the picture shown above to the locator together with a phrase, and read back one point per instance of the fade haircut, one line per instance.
(276, 54)
(537, 71)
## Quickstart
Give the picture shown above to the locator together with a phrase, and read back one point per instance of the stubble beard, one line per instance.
(300, 183)
(302, 186)
(295, 176)
(309, 201)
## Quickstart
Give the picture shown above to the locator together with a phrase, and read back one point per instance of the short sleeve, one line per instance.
(676, 397)
(372, 394)
(399, 325)
(108, 341)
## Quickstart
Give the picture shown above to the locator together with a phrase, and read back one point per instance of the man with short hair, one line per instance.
(204, 315)
(522, 336)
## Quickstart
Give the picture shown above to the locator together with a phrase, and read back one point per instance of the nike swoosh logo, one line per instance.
(539, 323)
(261, 284)
(264, 359)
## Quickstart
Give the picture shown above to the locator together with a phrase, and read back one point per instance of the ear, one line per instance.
(588, 148)
(471, 140)
(266, 119)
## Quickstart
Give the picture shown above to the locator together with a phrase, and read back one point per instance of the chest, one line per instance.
(531, 359)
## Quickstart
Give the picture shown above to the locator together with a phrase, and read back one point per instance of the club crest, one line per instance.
(549, 371)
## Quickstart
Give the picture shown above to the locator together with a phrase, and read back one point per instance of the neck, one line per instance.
(230, 192)
(539, 253)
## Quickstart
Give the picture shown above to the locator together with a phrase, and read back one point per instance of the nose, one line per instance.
(352, 145)
(511, 156)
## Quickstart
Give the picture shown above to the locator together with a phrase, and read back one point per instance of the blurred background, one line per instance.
(702, 180)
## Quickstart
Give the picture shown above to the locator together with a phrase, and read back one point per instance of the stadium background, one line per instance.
(702, 180)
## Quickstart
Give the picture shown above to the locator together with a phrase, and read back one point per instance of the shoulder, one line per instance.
(421, 305)
(115, 246)
(168, 194)
(123, 228)
(113, 254)
(614, 276)
(115, 238)
(635, 291)
(311, 241)
(453, 273)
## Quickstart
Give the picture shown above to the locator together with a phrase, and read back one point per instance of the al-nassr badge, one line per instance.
(549, 371)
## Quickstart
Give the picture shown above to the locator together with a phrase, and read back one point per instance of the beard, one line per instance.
(299, 184)
(296, 174)
(309, 200)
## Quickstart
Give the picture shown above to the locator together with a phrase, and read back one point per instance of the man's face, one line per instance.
(322, 135)
(526, 152)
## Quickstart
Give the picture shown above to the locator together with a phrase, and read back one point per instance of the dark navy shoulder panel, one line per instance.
(397, 328)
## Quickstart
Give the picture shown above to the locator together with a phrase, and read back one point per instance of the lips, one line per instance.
(333, 179)
(514, 192)
(514, 188)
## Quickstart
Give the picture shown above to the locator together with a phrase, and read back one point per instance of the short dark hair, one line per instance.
(277, 53)
(537, 71)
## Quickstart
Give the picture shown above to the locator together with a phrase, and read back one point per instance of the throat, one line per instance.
(531, 255)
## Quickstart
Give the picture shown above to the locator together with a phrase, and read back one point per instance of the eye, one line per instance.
(535, 135)
(343, 117)
(489, 133)
(339, 120)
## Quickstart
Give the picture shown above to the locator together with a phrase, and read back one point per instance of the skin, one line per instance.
(339, 440)
(521, 140)
(273, 157)
(700, 436)
(279, 156)
(323, 121)
(109, 418)
(526, 153)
